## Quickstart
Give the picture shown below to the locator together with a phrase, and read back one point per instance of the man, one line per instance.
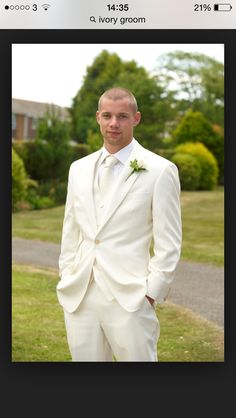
(119, 199)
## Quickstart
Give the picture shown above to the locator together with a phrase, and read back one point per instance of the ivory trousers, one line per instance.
(100, 329)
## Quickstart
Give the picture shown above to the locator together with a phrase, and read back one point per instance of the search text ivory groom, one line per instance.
(119, 199)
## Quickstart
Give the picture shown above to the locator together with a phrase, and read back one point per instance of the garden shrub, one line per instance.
(189, 170)
(195, 127)
(36, 158)
(79, 151)
(39, 202)
(19, 180)
(207, 161)
(54, 189)
(44, 162)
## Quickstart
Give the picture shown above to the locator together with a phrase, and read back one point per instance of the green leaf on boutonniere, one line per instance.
(136, 165)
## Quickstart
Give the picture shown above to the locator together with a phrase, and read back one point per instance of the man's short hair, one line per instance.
(119, 93)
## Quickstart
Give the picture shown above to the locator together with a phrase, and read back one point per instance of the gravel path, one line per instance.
(199, 287)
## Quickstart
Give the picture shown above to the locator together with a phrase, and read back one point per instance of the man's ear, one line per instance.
(98, 116)
(137, 118)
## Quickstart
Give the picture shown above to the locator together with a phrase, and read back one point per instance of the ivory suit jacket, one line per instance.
(144, 206)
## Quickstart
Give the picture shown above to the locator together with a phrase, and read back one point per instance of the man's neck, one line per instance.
(113, 149)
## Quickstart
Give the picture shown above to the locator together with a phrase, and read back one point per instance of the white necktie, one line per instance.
(107, 178)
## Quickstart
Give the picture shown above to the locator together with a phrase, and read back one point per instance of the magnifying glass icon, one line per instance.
(92, 19)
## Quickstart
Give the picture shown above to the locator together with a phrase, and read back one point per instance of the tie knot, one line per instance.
(110, 161)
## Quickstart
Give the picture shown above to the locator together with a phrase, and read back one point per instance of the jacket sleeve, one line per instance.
(167, 233)
(70, 232)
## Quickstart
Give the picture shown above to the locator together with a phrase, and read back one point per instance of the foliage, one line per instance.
(52, 147)
(195, 127)
(189, 170)
(55, 189)
(38, 202)
(79, 151)
(36, 159)
(94, 140)
(19, 180)
(47, 159)
(207, 161)
(50, 188)
(196, 81)
(44, 161)
(46, 194)
(217, 149)
(53, 127)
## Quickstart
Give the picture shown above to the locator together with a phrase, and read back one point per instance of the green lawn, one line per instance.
(38, 332)
(203, 226)
(44, 224)
(202, 216)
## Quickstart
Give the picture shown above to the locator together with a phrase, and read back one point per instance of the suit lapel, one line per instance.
(90, 172)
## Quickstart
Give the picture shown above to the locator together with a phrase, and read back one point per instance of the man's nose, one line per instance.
(114, 121)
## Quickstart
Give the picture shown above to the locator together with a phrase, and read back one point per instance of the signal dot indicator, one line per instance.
(6, 7)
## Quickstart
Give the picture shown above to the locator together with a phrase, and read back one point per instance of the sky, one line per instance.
(53, 73)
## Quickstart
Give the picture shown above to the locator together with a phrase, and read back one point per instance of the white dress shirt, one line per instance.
(122, 156)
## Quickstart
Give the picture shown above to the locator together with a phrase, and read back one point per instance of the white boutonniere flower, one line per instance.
(137, 165)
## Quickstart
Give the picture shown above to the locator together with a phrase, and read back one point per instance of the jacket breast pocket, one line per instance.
(139, 196)
(139, 202)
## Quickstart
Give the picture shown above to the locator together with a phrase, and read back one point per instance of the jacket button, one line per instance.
(97, 241)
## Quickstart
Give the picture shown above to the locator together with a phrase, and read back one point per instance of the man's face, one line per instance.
(117, 119)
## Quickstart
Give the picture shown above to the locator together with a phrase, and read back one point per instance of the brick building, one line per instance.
(26, 114)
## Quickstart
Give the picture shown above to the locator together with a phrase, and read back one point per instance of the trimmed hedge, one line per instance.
(207, 162)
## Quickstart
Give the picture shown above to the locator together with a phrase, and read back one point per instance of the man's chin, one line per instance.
(114, 140)
(114, 136)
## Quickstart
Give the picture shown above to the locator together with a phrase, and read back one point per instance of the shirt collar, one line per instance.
(122, 155)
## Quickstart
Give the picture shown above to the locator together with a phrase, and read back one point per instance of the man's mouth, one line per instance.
(114, 132)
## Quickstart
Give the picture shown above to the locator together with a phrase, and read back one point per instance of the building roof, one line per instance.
(36, 109)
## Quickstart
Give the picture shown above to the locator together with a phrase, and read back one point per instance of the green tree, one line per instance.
(196, 81)
(52, 148)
